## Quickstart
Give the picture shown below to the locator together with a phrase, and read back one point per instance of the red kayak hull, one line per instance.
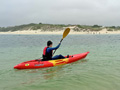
(34, 64)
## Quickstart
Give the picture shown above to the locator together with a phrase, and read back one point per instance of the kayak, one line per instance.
(34, 64)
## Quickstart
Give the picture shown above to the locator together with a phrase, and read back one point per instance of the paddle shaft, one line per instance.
(56, 49)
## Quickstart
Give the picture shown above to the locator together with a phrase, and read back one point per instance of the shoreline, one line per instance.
(104, 31)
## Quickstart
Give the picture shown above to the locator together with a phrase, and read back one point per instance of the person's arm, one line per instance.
(53, 48)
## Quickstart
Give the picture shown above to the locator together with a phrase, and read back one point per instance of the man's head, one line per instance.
(49, 43)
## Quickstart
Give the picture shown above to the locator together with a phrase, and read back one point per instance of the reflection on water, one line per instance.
(49, 73)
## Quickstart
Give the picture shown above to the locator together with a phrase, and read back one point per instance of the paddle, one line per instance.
(65, 33)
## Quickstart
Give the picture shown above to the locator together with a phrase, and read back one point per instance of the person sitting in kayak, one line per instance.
(48, 52)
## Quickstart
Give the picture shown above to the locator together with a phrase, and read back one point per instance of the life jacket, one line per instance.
(46, 56)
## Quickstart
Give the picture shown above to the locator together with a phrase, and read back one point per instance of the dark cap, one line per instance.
(49, 43)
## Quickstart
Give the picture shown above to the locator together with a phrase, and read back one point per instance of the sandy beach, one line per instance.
(104, 31)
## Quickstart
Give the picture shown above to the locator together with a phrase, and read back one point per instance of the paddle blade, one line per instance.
(66, 32)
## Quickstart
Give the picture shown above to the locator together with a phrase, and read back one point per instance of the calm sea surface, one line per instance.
(100, 70)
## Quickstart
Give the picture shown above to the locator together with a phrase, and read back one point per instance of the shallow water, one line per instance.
(100, 70)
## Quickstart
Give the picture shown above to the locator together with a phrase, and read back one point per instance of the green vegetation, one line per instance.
(57, 27)
(88, 28)
(33, 26)
(113, 28)
(16, 28)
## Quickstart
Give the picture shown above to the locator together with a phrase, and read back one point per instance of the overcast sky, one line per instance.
(85, 12)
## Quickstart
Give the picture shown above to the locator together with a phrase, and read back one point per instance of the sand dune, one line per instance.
(104, 31)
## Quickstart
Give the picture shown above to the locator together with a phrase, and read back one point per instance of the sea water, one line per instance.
(100, 70)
